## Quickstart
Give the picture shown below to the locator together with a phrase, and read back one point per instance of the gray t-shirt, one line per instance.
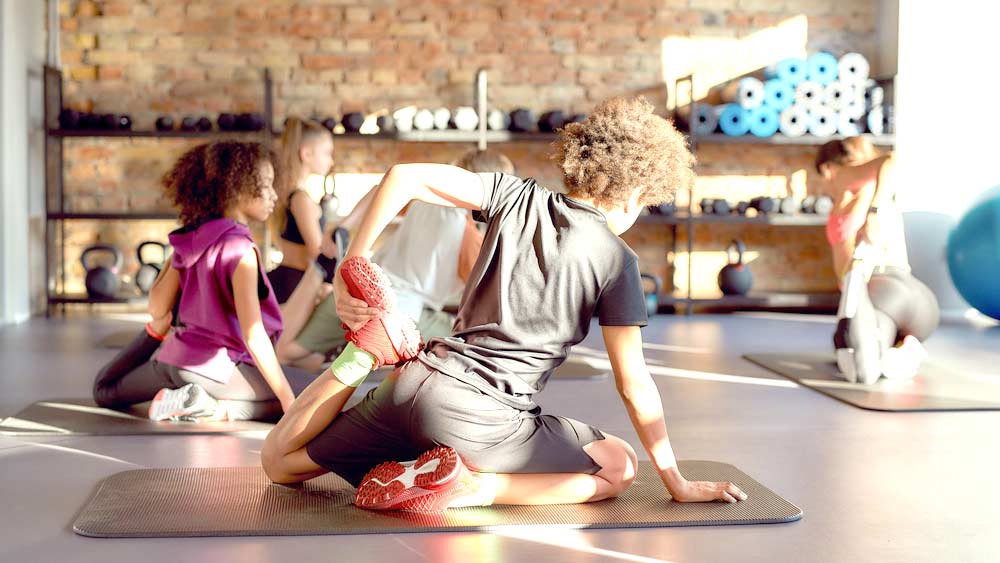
(547, 264)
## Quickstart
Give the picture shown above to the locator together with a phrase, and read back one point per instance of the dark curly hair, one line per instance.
(210, 178)
(623, 145)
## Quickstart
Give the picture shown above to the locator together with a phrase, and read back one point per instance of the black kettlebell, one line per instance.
(149, 270)
(102, 282)
(735, 277)
(653, 298)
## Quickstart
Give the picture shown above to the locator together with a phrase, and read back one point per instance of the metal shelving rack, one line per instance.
(55, 204)
(57, 215)
(687, 218)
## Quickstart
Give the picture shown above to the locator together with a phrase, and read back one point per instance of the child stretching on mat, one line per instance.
(463, 407)
(219, 363)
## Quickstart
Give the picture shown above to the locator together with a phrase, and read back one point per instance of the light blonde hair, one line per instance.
(298, 132)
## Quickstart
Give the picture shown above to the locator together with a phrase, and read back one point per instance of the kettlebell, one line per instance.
(653, 297)
(102, 282)
(735, 277)
(149, 270)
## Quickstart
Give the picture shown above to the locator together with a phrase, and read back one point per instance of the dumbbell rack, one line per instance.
(689, 219)
(56, 214)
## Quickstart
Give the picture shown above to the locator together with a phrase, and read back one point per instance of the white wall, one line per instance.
(945, 65)
(22, 51)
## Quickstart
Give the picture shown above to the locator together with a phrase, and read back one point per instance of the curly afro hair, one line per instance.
(210, 178)
(623, 145)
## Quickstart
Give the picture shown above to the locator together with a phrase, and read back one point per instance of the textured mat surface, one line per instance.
(933, 389)
(83, 417)
(575, 367)
(241, 501)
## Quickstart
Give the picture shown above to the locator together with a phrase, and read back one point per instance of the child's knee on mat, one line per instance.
(618, 463)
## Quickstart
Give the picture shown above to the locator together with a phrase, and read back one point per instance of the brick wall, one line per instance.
(331, 56)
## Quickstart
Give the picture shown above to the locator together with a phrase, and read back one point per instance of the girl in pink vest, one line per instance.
(219, 362)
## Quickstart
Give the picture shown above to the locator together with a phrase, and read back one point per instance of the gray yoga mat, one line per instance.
(241, 501)
(933, 389)
(82, 417)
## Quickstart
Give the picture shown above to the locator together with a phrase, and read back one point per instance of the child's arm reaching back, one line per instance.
(254, 335)
(642, 401)
(438, 184)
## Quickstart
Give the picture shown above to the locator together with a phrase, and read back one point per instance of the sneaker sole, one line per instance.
(367, 282)
(160, 410)
(394, 486)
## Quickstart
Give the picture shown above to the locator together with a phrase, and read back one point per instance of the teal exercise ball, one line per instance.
(974, 254)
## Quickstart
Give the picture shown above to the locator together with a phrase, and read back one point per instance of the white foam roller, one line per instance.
(839, 95)
(853, 68)
(442, 117)
(794, 121)
(466, 119)
(855, 106)
(850, 126)
(823, 121)
(403, 118)
(747, 92)
(876, 121)
(423, 120)
(874, 96)
(496, 120)
(809, 94)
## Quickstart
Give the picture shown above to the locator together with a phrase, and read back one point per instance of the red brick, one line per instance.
(326, 61)
(110, 73)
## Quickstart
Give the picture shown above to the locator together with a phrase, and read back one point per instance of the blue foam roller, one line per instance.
(792, 70)
(734, 120)
(823, 68)
(778, 94)
(764, 121)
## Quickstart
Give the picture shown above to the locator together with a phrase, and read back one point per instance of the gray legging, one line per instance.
(134, 377)
(907, 301)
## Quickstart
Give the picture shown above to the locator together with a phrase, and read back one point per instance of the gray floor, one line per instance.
(874, 486)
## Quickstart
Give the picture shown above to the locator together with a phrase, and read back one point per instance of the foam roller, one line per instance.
(764, 121)
(794, 121)
(442, 118)
(853, 68)
(778, 94)
(734, 120)
(747, 92)
(823, 122)
(838, 95)
(809, 94)
(791, 70)
(823, 68)
(849, 126)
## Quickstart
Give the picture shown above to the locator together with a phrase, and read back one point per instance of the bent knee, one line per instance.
(618, 462)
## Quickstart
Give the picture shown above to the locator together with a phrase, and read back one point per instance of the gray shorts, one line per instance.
(417, 408)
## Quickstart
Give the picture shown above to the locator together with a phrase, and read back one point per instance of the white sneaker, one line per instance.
(190, 402)
(903, 362)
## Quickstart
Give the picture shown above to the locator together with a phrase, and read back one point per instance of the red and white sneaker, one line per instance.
(430, 484)
(366, 281)
(391, 338)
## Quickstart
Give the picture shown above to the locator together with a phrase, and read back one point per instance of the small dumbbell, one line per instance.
(164, 123)
(353, 121)
(551, 121)
(522, 120)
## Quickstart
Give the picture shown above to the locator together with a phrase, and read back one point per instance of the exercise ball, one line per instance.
(974, 254)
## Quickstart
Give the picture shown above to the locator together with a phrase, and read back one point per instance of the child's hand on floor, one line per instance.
(355, 313)
(707, 491)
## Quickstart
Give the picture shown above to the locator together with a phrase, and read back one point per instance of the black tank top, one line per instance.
(293, 234)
